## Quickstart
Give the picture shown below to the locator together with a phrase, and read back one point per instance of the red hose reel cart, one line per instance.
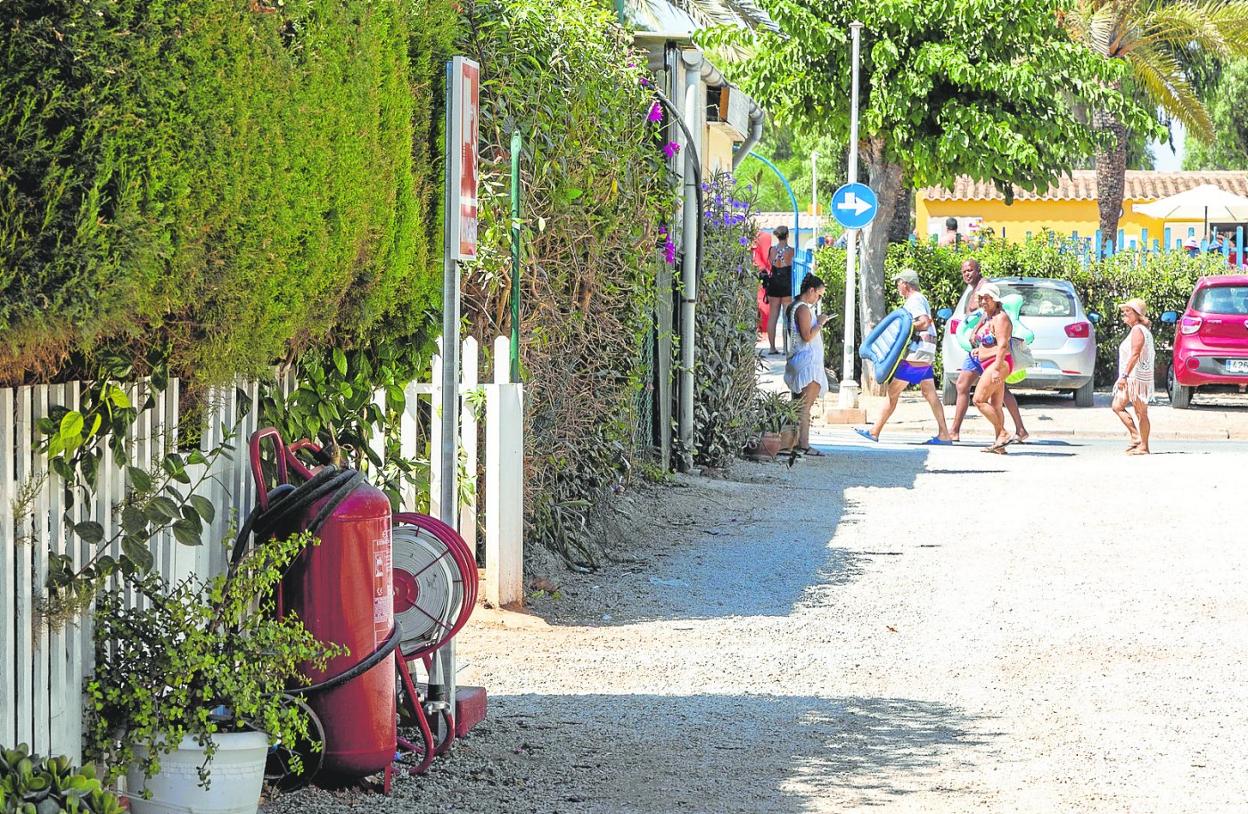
(392, 588)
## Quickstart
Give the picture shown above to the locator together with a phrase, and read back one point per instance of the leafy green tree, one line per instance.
(1228, 150)
(790, 150)
(1156, 40)
(949, 87)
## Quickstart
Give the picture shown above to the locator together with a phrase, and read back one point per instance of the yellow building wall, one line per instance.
(1061, 217)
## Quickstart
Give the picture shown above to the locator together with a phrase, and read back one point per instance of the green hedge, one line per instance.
(1164, 281)
(227, 182)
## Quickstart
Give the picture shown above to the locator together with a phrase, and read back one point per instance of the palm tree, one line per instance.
(1156, 38)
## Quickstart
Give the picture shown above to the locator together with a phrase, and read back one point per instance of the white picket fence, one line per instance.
(42, 668)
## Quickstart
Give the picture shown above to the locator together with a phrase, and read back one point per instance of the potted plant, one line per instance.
(30, 783)
(776, 413)
(191, 678)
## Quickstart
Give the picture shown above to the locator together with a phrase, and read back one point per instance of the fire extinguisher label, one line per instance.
(383, 589)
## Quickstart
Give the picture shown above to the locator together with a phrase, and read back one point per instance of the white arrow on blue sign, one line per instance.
(854, 205)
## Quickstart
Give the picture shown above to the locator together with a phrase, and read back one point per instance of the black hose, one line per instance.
(387, 647)
(287, 505)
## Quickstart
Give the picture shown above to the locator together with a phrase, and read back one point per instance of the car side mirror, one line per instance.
(1170, 317)
(945, 314)
(1094, 318)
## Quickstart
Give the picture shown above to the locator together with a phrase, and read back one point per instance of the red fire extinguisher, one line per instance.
(342, 591)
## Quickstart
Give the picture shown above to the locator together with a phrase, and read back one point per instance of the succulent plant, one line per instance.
(31, 784)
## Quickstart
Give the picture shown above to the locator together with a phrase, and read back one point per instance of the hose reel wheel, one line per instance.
(428, 588)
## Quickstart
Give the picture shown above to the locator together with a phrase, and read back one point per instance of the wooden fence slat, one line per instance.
(9, 660)
(468, 441)
(39, 550)
(58, 667)
(435, 436)
(24, 572)
(77, 550)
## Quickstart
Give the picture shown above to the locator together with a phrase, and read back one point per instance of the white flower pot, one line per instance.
(236, 776)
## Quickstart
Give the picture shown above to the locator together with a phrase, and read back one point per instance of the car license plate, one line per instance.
(1237, 366)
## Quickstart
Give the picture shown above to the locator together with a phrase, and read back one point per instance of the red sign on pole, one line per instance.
(465, 81)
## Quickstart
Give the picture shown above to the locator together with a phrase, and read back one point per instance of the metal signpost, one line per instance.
(463, 80)
(854, 206)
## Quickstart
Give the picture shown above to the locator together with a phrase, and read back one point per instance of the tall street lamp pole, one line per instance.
(848, 398)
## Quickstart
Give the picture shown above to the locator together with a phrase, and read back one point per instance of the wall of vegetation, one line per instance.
(219, 183)
(594, 185)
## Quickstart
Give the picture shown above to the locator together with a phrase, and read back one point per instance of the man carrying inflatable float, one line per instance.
(902, 349)
(903, 346)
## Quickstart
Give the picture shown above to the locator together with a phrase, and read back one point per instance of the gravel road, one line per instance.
(893, 627)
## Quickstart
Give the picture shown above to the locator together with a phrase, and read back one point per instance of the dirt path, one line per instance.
(848, 634)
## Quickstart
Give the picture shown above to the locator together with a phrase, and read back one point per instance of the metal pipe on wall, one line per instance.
(689, 268)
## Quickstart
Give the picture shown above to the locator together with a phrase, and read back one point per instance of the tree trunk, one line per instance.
(1111, 174)
(886, 181)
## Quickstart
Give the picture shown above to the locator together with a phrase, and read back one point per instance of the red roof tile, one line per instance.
(1142, 185)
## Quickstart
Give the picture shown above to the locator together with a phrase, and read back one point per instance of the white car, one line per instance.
(1064, 348)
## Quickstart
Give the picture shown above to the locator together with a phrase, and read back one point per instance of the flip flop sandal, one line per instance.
(995, 450)
(935, 441)
(814, 453)
(867, 435)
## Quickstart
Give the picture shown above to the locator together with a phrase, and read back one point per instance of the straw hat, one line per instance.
(1135, 304)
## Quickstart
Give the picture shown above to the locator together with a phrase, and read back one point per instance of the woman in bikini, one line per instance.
(991, 359)
(780, 283)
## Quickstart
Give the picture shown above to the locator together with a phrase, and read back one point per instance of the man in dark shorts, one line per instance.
(916, 368)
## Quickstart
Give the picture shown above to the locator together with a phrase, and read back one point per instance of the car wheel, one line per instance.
(1180, 396)
(1083, 396)
(950, 394)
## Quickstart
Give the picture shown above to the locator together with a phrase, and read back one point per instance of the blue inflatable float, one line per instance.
(886, 345)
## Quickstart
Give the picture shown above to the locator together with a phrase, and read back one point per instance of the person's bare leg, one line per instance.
(928, 388)
(774, 315)
(1011, 404)
(894, 394)
(984, 392)
(1146, 427)
(965, 381)
(809, 393)
(1119, 407)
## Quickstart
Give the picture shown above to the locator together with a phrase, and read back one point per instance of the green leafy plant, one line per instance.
(775, 412)
(195, 660)
(728, 314)
(165, 498)
(32, 784)
(595, 188)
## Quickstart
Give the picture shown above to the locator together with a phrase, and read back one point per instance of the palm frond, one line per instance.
(709, 13)
(1159, 75)
(1216, 26)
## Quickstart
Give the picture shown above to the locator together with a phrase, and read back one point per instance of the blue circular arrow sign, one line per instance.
(854, 205)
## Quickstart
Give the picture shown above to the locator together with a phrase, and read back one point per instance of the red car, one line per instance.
(1211, 340)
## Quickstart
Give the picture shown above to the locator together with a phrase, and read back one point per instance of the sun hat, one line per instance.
(1191, 243)
(990, 290)
(1135, 304)
(908, 276)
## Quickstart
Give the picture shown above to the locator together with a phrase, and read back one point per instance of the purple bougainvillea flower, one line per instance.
(671, 149)
(743, 240)
(669, 251)
(655, 114)
(645, 83)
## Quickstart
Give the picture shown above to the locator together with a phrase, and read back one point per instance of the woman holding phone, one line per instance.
(804, 371)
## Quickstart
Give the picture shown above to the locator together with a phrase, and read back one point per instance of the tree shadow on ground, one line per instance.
(717, 548)
(650, 753)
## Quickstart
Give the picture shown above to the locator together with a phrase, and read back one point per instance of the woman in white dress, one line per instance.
(1134, 389)
(804, 372)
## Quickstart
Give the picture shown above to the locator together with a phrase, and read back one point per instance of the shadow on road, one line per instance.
(650, 753)
(716, 548)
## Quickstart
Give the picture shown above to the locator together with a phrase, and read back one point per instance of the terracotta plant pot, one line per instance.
(788, 437)
(769, 444)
